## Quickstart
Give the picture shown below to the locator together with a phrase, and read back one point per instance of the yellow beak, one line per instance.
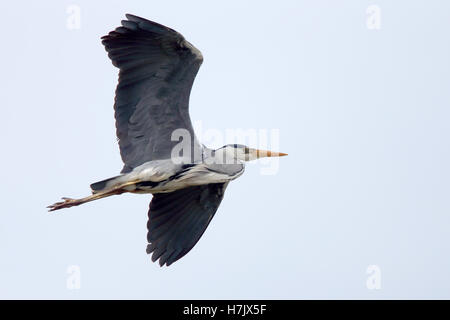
(266, 153)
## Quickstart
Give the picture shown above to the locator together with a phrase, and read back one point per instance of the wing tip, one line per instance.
(149, 25)
(132, 17)
(165, 258)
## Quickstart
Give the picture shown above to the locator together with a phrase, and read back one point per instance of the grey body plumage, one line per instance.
(157, 68)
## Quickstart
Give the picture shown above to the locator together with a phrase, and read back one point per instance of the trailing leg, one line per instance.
(68, 202)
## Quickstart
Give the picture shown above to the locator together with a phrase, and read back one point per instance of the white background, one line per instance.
(364, 115)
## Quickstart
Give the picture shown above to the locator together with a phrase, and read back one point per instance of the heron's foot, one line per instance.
(67, 203)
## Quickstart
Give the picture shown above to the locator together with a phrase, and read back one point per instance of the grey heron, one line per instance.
(157, 67)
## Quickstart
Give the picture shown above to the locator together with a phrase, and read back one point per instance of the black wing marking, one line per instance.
(178, 219)
(157, 70)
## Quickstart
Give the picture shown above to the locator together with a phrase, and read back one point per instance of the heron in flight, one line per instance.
(157, 67)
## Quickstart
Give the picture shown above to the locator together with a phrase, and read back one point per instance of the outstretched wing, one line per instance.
(178, 219)
(157, 70)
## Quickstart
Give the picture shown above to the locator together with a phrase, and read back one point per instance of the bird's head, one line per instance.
(244, 153)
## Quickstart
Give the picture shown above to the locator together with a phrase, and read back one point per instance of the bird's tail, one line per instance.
(105, 184)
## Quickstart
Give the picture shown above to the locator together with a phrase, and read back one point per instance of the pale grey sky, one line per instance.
(363, 113)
